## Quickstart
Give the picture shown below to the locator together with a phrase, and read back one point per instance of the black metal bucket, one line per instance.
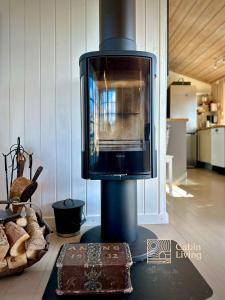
(69, 217)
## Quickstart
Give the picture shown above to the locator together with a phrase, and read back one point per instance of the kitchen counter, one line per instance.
(177, 120)
(215, 126)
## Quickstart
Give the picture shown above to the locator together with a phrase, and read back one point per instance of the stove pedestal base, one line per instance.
(138, 247)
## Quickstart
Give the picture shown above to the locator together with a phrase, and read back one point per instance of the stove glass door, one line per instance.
(119, 114)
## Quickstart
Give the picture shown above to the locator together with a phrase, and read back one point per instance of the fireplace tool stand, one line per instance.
(119, 218)
(14, 164)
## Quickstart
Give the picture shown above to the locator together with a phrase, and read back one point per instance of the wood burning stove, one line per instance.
(118, 141)
(117, 115)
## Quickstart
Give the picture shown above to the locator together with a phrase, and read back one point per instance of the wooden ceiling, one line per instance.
(197, 38)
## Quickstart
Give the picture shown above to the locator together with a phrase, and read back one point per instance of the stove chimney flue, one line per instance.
(117, 26)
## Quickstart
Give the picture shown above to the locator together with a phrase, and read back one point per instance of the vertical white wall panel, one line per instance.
(40, 45)
(92, 25)
(152, 30)
(151, 194)
(162, 109)
(77, 49)
(63, 100)
(152, 45)
(32, 86)
(140, 25)
(17, 55)
(48, 116)
(4, 88)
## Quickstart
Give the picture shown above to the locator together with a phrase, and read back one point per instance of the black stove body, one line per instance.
(117, 115)
(118, 132)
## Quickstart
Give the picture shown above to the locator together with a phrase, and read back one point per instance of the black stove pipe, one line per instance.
(119, 210)
(117, 26)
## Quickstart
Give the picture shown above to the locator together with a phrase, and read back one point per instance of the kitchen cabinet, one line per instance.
(218, 146)
(204, 146)
(211, 146)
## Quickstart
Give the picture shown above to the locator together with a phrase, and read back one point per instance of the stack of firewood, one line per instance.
(20, 241)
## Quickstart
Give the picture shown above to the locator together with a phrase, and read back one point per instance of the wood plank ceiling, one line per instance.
(197, 38)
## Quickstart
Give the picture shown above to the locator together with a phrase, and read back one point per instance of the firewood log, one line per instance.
(16, 262)
(4, 245)
(37, 241)
(21, 222)
(16, 236)
(3, 266)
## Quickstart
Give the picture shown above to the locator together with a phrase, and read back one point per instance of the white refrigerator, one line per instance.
(182, 103)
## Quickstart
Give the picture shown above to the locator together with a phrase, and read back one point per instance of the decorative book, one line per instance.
(95, 268)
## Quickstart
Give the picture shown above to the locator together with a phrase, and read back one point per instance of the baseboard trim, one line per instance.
(142, 219)
(204, 165)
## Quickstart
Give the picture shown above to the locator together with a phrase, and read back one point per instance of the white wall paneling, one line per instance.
(40, 45)
(152, 14)
(17, 69)
(63, 100)
(32, 84)
(78, 46)
(4, 85)
(48, 105)
(162, 110)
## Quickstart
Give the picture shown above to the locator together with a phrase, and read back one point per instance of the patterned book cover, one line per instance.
(94, 268)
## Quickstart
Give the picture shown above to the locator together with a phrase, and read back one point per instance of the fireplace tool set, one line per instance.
(23, 232)
(20, 189)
